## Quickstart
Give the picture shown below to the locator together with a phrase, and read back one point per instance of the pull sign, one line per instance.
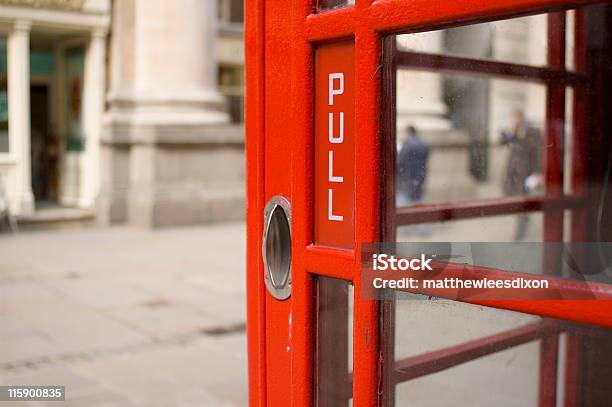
(335, 144)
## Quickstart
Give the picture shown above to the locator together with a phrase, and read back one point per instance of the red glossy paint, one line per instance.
(282, 38)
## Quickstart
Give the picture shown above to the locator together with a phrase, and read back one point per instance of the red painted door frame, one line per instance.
(281, 41)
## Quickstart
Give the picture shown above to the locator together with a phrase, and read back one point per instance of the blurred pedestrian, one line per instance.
(523, 171)
(411, 168)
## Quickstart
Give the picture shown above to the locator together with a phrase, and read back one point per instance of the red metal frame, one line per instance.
(281, 38)
(552, 204)
(431, 362)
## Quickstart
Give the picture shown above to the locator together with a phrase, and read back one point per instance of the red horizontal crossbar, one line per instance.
(474, 209)
(330, 262)
(561, 288)
(579, 307)
(454, 64)
(442, 359)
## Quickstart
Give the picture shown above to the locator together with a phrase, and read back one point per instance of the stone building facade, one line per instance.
(133, 109)
(52, 83)
(129, 109)
(171, 154)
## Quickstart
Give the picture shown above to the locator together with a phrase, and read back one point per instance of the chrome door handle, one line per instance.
(276, 247)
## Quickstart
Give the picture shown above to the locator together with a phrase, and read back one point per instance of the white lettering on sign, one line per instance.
(332, 177)
(336, 87)
(333, 139)
(330, 211)
(335, 91)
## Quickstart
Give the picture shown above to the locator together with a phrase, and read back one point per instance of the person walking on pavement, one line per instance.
(412, 168)
(524, 167)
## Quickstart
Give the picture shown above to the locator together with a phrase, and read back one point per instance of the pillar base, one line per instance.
(171, 175)
(175, 206)
(26, 204)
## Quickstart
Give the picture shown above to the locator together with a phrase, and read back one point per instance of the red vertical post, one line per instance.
(555, 122)
(366, 351)
(334, 199)
(388, 162)
(254, 143)
(553, 178)
(579, 221)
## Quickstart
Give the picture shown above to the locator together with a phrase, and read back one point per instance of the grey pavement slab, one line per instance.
(126, 317)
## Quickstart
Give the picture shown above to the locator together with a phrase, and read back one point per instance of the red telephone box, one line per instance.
(322, 121)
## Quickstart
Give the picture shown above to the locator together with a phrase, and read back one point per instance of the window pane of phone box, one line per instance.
(520, 40)
(324, 5)
(462, 137)
(514, 243)
(334, 342)
(502, 375)
(522, 227)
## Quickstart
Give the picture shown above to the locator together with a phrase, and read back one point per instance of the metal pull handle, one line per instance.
(276, 247)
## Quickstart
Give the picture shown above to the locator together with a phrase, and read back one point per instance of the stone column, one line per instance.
(171, 75)
(169, 155)
(176, 67)
(93, 109)
(18, 55)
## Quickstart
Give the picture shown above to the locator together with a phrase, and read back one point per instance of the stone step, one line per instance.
(56, 217)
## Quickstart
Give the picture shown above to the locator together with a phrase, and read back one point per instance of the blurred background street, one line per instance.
(126, 317)
(122, 166)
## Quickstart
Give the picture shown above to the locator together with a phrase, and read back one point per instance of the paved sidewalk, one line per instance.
(126, 317)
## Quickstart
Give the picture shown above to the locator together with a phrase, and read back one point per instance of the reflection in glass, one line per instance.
(334, 301)
(323, 5)
(525, 227)
(499, 373)
(518, 40)
(470, 136)
(418, 316)
(505, 378)
(463, 137)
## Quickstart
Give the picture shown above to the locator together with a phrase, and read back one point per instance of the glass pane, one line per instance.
(323, 5)
(446, 318)
(469, 136)
(434, 334)
(463, 137)
(334, 342)
(4, 136)
(526, 227)
(518, 40)
(490, 380)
